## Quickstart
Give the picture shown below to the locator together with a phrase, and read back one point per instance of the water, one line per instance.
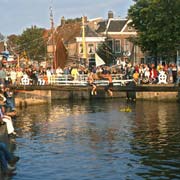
(95, 140)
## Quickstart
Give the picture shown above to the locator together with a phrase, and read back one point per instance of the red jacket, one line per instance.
(153, 73)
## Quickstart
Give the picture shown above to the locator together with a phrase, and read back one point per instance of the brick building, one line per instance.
(116, 32)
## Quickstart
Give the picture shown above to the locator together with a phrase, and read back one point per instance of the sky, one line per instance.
(18, 15)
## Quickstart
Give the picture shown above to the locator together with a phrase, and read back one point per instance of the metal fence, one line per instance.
(81, 80)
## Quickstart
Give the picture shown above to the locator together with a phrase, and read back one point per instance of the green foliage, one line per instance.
(68, 21)
(158, 26)
(12, 43)
(32, 42)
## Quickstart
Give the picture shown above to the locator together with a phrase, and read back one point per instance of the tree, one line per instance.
(158, 25)
(12, 43)
(33, 43)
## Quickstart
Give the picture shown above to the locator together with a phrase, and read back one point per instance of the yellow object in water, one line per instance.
(126, 109)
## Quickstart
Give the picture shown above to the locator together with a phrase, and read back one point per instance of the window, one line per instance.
(91, 48)
(80, 49)
(117, 46)
(110, 45)
(126, 45)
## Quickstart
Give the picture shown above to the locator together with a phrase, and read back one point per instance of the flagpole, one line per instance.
(83, 40)
(53, 41)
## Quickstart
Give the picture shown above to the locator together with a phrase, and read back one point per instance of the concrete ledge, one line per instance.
(19, 102)
(31, 95)
(158, 96)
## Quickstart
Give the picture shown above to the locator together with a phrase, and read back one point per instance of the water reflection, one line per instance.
(95, 140)
(156, 140)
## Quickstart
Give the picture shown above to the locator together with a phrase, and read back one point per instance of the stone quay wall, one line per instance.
(41, 95)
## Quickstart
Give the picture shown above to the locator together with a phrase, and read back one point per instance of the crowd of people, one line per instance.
(143, 73)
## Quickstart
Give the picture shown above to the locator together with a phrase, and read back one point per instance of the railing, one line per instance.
(68, 80)
(81, 80)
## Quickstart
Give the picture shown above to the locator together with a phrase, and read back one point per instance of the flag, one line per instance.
(98, 61)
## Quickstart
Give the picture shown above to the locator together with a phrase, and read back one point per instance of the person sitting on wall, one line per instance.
(9, 103)
(6, 119)
(109, 87)
(92, 83)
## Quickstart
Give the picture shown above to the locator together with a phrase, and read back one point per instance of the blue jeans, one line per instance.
(10, 104)
(5, 156)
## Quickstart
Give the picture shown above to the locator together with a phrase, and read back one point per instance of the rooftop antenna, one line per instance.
(52, 36)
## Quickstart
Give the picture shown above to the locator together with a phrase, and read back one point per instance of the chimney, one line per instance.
(63, 21)
(110, 14)
(85, 19)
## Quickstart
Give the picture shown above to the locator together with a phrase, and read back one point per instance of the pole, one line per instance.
(83, 39)
(53, 41)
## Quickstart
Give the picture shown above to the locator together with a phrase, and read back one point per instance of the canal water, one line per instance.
(98, 140)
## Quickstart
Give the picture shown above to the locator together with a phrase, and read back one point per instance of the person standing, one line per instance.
(2, 75)
(19, 75)
(13, 76)
(75, 73)
(174, 73)
(136, 77)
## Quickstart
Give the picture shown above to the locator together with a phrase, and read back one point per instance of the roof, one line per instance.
(68, 32)
(89, 32)
(101, 27)
(116, 25)
(112, 25)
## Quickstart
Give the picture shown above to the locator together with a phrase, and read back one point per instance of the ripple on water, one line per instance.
(94, 140)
